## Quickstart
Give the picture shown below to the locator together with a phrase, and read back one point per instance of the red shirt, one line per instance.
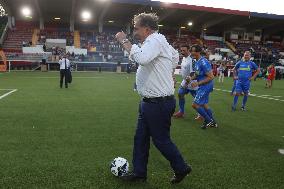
(271, 72)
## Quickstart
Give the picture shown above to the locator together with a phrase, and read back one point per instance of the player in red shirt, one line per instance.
(271, 76)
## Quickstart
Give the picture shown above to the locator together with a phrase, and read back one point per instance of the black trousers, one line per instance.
(63, 75)
(154, 120)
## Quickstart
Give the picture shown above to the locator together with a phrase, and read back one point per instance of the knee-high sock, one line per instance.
(245, 100)
(204, 114)
(233, 89)
(235, 100)
(209, 112)
(181, 104)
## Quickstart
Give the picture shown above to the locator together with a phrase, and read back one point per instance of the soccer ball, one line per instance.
(119, 166)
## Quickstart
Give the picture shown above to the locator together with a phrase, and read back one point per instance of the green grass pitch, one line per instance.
(66, 138)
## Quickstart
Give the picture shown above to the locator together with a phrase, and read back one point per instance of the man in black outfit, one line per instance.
(64, 65)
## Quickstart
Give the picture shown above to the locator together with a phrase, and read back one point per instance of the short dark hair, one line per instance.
(197, 48)
(185, 45)
(147, 20)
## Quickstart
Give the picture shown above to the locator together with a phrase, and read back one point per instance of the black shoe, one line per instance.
(66, 87)
(204, 126)
(213, 124)
(132, 177)
(178, 177)
(243, 108)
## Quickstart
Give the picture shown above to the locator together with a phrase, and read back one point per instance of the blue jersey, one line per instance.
(202, 67)
(245, 70)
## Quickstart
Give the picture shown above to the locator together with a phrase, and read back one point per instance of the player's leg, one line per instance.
(210, 113)
(141, 144)
(61, 77)
(233, 88)
(246, 87)
(134, 87)
(181, 101)
(267, 82)
(238, 92)
(158, 116)
(193, 94)
(198, 104)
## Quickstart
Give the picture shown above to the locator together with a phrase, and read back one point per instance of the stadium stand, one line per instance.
(19, 36)
(102, 47)
(56, 33)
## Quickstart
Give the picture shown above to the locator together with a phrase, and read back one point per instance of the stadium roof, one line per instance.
(256, 6)
(171, 14)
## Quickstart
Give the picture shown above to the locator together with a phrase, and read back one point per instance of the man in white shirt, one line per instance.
(221, 71)
(186, 72)
(64, 69)
(156, 59)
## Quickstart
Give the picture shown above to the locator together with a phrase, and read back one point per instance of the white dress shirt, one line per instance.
(156, 59)
(62, 63)
(186, 69)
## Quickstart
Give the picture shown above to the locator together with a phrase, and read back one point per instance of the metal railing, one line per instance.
(4, 33)
(32, 65)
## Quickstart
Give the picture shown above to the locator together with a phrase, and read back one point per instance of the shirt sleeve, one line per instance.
(191, 66)
(175, 57)
(145, 54)
(254, 66)
(237, 66)
(206, 66)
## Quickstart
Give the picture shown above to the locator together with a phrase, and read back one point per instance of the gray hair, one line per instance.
(147, 20)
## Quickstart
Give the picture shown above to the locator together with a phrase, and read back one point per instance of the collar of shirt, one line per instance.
(149, 37)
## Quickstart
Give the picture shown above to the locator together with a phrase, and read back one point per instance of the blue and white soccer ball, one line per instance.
(119, 166)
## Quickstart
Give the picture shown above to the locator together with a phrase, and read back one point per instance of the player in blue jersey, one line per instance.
(243, 73)
(204, 81)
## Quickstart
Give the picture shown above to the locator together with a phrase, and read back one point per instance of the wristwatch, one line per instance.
(124, 41)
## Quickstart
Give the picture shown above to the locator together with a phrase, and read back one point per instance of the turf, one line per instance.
(66, 138)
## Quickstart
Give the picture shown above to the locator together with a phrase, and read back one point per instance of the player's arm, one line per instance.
(142, 55)
(190, 77)
(209, 77)
(145, 54)
(122, 39)
(175, 59)
(256, 73)
(235, 69)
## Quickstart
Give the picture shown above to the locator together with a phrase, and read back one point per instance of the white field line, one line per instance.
(8, 93)
(59, 77)
(269, 97)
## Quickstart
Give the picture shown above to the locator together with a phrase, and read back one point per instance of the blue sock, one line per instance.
(210, 113)
(245, 100)
(235, 100)
(204, 114)
(233, 89)
(181, 104)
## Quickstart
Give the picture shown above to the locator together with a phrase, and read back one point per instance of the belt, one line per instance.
(158, 99)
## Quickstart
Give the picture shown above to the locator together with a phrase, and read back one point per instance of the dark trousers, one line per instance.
(154, 121)
(63, 75)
